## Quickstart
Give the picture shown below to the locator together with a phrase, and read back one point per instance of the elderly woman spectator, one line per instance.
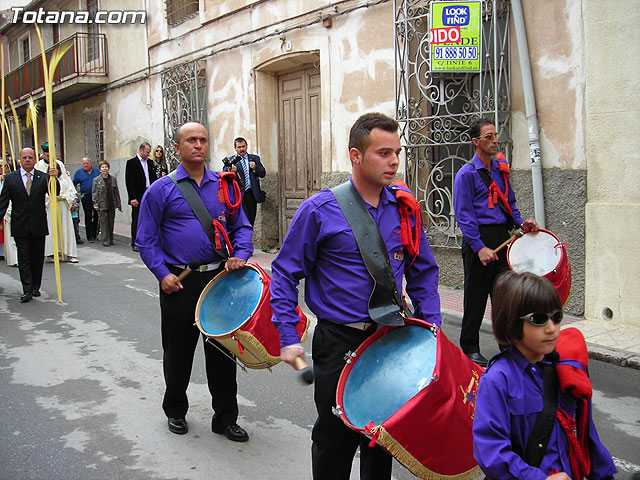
(106, 198)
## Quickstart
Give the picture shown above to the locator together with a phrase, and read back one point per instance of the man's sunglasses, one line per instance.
(540, 319)
(489, 136)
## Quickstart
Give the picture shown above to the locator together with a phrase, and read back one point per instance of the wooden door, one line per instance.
(299, 141)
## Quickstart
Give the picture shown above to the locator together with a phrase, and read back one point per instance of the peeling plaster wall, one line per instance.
(556, 52)
(613, 207)
(356, 69)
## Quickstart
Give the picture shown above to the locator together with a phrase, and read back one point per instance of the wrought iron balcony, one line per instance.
(83, 67)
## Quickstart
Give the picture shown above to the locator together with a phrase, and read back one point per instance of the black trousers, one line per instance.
(30, 261)
(250, 206)
(478, 283)
(179, 340)
(90, 217)
(135, 211)
(335, 444)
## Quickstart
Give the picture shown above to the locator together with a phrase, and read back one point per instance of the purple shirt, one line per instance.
(169, 231)
(321, 248)
(470, 199)
(509, 399)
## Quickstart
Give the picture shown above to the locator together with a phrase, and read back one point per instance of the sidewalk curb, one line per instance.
(596, 352)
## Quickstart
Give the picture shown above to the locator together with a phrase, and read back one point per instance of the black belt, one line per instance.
(363, 326)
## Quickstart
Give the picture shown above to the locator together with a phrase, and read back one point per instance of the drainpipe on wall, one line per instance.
(530, 111)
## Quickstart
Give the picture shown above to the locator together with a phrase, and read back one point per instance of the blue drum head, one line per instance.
(388, 373)
(228, 301)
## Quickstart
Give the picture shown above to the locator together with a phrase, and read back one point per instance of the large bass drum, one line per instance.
(234, 309)
(413, 392)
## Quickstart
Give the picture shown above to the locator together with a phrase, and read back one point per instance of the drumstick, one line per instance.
(306, 374)
(190, 268)
(517, 234)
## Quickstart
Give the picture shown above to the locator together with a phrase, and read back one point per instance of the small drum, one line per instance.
(413, 392)
(234, 309)
(542, 253)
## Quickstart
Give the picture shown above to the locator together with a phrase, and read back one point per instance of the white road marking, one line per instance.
(143, 290)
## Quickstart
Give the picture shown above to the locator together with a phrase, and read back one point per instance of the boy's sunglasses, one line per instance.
(540, 319)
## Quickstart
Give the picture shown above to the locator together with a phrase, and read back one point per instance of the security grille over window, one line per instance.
(179, 11)
(184, 99)
(94, 136)
(93, 45)
(435, 109)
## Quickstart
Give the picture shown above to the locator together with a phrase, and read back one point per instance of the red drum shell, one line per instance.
(235, 310)
(542, 253)
(431, 434)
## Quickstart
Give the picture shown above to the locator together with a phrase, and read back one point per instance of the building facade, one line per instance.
(292, 76)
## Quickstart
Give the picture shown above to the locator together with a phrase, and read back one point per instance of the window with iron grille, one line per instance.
(26, 51)
(56, 33)
(94, 136)
(179, 11)
(435, 109)
(93, 46)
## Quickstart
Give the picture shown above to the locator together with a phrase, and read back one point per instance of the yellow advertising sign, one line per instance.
(455, 36)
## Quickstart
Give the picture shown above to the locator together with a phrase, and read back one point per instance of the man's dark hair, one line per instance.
(360, 131)
(143, 145)
(239, 140)
(518, 294)
(474, 129)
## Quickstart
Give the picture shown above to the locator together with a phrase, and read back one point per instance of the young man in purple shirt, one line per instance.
(484, 226)
(170, 238)
(320, 247)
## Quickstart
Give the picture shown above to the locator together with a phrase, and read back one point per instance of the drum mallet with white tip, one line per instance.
(190, 268)
(306, 374)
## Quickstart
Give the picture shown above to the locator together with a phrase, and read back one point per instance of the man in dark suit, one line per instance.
(248, 170)
(26, 189)
(139, 174)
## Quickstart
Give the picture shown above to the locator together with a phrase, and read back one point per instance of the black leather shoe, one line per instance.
(232, 432)
(134, 248)
(79, 241)
(25, 298)
(478, 358)
(178, 425)
(35, 293)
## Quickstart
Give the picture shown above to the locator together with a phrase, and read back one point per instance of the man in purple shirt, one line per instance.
(320, 247)
(170, 238)
(484, 228)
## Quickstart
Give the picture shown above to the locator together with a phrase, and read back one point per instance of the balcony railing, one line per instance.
(87, 57)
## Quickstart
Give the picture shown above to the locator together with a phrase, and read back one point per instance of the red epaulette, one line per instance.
(408, 207)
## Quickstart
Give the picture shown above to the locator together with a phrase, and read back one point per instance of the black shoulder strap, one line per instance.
(486, 179)
(539, 438)
(385, 304)
(199, 209)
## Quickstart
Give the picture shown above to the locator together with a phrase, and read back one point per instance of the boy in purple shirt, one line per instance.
(320, 247)
(527, 313)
